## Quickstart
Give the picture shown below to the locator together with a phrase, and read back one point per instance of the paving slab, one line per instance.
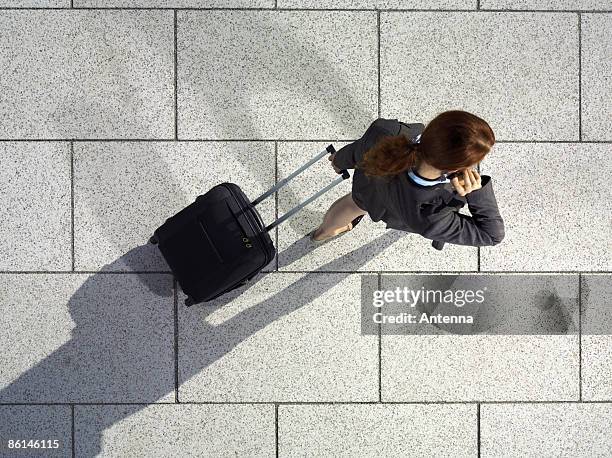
(126, 190)
(596, 367)
(582, 5)
(34, 3)
(35, 212)
(596, 71)
(87, 74)
(374, 430)
(559, 225)
(518, 71)
(479, 368)
(368, 247)
(276, 74)
(174, 3)
(452, 367)
(535, 430)
(40, 430)
(87, 338)
(285, 337)
(378, 4)
(175, 430)
(596, 337)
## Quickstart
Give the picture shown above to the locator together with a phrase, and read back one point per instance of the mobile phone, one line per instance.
(458, 174)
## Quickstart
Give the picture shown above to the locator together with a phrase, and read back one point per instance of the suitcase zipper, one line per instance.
(210, 242)
(257, 233)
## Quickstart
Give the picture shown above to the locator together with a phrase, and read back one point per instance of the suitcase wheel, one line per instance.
(189, 301)
(154, 240)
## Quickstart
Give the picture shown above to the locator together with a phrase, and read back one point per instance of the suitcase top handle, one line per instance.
(329, 150)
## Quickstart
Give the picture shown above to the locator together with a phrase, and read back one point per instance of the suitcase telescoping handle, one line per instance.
(343, 176)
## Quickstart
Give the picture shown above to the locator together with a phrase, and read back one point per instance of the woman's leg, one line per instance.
(338, 217)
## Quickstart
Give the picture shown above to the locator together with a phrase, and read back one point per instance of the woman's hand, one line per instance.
(331, 158)
(471, 182)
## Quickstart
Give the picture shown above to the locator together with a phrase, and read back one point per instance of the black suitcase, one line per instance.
(220, 242)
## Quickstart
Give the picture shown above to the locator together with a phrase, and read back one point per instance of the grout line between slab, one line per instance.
(385, 10)
(359, 272)
(244, 140)
(175, 77)
(580, 337)
(379, 348)
(276, 428)
(478, 428)
(276, 200)
(378, 44)
(72, 432)
(72, 204)
(579, 76)
(176, 346)
(478, 248)
(292, 403)
(280, 140)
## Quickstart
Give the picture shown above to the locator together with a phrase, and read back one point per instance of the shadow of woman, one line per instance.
(122, 351)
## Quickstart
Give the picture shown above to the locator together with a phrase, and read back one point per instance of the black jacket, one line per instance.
(431, 211)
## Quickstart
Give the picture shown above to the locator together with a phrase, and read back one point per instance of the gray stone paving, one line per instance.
(115, 114)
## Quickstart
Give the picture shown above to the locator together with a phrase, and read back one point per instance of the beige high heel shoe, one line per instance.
(348, 228)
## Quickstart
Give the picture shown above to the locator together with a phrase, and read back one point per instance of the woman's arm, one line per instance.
(484, 227)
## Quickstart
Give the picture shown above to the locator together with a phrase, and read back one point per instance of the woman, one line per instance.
(404, 177)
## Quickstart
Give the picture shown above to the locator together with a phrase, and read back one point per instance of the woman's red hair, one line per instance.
(453, 140)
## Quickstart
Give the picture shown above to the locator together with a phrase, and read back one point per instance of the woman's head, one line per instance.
(453, 140)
